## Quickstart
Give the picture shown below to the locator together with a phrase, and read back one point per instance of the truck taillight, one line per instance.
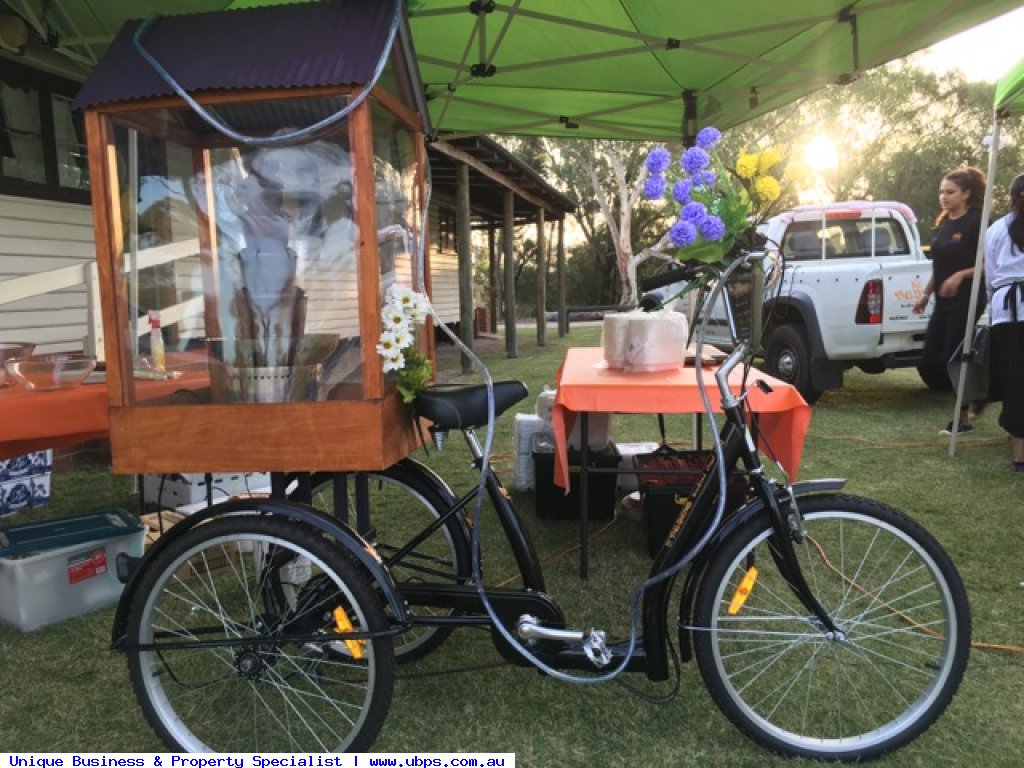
(869, 308)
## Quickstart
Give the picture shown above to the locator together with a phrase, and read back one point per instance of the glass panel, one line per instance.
(398, 226)
(248, 256)
(21, 139)
(69, 134)
(398, 204)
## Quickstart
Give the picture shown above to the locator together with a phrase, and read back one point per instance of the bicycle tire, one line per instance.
(885, 582)
(238, 580)
(401, 505)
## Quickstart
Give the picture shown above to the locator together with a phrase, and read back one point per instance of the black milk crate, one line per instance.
(667, 492)
(552, 501)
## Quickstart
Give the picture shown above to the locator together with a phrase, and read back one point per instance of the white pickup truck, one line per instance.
(853, 271)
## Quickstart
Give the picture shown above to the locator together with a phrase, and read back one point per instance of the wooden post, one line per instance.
(492, 279)
(508, 242)
(464, 246)
(542, 281)
(563, 311)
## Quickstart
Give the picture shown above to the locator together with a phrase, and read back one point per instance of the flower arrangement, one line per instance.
(719, 209)
(403, 310)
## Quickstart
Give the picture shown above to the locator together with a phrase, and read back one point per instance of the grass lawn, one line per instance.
(65, 691)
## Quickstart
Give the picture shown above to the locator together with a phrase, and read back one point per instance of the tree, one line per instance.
(899, 129)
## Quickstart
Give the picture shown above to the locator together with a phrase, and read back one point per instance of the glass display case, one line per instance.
(247, 280)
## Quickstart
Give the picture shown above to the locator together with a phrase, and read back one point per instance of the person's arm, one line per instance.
(951, 285)
(922, 303)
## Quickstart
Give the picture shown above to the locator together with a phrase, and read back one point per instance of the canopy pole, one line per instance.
(689, 117)
(976, 283)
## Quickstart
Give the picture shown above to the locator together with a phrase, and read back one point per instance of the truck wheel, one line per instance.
(935, 377)
(786, 357)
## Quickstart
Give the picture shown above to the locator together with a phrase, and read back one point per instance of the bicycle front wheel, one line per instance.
(776, 673)
(233, 642)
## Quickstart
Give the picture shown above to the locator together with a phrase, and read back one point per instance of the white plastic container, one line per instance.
(44, 579)
(657, 341)
(188, 492)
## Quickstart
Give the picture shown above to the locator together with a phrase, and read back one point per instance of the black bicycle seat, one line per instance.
(464, 406)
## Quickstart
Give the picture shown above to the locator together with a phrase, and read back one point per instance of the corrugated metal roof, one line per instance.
(329, 43)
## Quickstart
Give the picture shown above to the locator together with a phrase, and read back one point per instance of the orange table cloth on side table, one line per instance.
(587, 385)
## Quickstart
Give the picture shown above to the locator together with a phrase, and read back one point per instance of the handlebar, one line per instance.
(677, 274)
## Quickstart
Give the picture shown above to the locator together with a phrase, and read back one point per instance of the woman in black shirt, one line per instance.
(953, 252)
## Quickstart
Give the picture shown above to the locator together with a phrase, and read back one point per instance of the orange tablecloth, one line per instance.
(586, 384)
(33, 421)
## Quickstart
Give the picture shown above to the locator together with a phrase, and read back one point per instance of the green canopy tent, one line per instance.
(1009, 102)
(640, 69)
(656, 69)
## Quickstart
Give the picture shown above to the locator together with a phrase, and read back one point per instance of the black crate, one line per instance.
(552, 501)
(666, 494)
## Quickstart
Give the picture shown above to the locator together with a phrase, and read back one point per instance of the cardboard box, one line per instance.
(178, 491)
(56, 569)
(25, 481)
(16, 495)
(40, 485)
(152, 521)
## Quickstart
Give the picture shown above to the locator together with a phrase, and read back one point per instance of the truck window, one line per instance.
(802, 241)
(889, 238)
(852, 237)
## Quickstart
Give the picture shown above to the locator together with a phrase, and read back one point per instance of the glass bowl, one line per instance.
(12, 349)
(61, 370)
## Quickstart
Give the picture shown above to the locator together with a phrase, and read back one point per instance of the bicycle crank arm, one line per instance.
(593, 641)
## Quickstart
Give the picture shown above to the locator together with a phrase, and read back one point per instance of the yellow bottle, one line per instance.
(156, 342)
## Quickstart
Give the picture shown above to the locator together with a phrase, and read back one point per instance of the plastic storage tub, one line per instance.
(55, 569)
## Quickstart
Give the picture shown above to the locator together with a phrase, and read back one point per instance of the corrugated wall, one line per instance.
(38, 236)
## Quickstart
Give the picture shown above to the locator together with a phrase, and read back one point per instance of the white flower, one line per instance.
(403, 338)
(419, 308)
(395, 319)
(403, 309)
(400, 295)
(387, 346)
(394, 363)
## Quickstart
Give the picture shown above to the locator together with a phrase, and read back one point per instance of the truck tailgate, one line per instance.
(902, 285)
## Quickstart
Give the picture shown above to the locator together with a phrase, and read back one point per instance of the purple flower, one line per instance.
(694, 213)
(682, 234)
(704, 179)
(654, 187)
(694, 160)
(681, 191)
(708, 137)
(658, 160)
(712, 229)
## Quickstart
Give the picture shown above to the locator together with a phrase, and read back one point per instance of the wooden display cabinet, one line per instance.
(266, 267)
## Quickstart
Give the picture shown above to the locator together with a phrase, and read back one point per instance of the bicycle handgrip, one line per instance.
(683, 272)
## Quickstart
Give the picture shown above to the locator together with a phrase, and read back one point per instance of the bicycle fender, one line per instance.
(338, 531)
(749, 510)
(426, 475)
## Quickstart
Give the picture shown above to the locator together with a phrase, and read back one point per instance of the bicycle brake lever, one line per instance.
(761, 385)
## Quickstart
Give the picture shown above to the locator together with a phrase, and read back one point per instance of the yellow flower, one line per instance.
(746, 165)
(767, 189)
(768, 159)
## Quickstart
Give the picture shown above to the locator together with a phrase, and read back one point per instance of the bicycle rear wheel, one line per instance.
(233, 642)
(402, 508)
(777, 675)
